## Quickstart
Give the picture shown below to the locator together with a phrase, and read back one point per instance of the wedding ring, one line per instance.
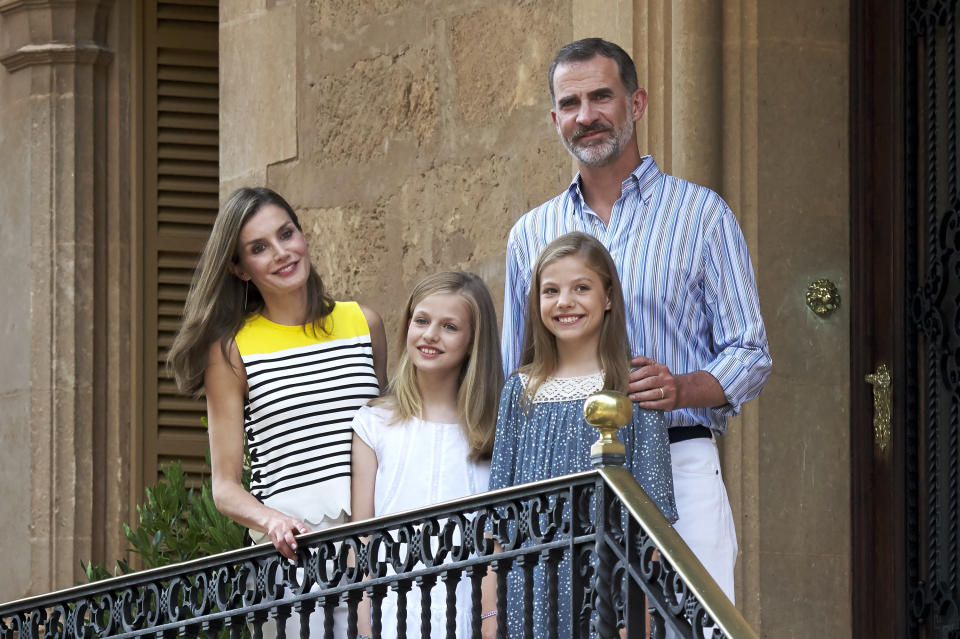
(662, 394)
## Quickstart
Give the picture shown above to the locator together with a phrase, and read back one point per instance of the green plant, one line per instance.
(175, 524)
(179, 523)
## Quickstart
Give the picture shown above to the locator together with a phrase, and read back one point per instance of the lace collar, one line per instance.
(563, 389)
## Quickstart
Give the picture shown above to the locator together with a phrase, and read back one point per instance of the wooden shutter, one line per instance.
(181, 182)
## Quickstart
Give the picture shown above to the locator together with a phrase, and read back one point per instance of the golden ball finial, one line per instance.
(608, 411)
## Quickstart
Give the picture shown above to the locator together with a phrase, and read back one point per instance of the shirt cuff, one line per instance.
(741, 380)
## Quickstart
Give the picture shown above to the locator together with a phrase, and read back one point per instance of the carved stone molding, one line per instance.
(11, 7)
(30, 55)
(32, 32)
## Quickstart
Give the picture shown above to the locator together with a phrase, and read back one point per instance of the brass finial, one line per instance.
(608, 411)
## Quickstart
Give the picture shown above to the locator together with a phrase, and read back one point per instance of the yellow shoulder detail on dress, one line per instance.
(260, 335)
(346, 320)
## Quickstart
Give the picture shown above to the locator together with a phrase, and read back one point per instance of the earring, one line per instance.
(246, 289)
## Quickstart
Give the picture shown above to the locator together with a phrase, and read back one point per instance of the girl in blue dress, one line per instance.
(575, 344)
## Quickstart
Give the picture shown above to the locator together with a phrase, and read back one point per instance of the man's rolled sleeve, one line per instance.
(742, 362)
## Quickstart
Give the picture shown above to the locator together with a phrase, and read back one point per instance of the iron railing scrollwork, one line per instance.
(597, 531)
(932, 342)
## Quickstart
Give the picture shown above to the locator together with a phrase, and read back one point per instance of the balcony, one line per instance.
(596, 531)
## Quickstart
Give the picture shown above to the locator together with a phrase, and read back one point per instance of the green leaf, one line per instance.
(157, 538)
(94, 572)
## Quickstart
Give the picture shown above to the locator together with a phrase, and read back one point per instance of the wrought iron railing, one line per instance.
(596, 531)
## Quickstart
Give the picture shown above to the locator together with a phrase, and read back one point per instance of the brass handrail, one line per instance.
(677, 553)
(607, 411)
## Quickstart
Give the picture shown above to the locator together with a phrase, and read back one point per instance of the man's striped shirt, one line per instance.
(303, 390)
(688, 283)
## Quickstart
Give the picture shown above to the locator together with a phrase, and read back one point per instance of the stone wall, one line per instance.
(409, 137)
(803, 234)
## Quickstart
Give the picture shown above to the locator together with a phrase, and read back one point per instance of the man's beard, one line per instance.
(602, 153)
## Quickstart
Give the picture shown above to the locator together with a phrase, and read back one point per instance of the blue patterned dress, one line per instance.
(552, 440)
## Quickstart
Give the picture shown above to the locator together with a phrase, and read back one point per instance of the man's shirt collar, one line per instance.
(643, 178)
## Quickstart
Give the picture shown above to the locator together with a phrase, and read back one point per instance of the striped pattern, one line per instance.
(303, 391)
(686, 275)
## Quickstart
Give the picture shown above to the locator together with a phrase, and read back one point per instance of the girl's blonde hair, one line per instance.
(219, 302)
(540, 357)
(481, 377)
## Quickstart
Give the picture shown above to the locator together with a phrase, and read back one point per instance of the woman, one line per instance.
(281, 364)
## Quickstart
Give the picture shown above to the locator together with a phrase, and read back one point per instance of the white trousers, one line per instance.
(705, 520)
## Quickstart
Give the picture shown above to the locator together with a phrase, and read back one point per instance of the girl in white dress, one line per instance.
(429, 439)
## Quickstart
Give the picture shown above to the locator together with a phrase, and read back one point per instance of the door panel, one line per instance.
(906, 272)
(877, 317)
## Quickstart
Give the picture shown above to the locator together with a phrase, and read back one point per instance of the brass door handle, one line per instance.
(882, 406)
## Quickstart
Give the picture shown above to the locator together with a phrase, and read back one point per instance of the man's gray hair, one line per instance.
(587, 49)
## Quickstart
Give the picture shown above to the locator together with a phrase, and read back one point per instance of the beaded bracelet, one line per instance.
(488, 614)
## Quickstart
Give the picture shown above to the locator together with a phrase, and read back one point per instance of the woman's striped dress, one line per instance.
(303, 390)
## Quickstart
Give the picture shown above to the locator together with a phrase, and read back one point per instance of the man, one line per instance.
(693, 316)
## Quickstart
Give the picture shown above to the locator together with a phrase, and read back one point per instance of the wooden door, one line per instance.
(905, 234)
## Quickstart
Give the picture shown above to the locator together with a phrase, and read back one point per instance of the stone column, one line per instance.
(53, 53)
(750, 99)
